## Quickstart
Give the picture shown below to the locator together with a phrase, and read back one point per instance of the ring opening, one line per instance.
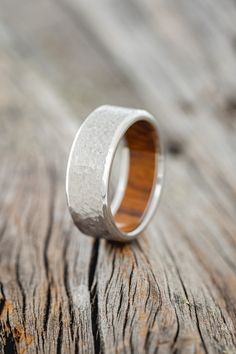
(142, 141)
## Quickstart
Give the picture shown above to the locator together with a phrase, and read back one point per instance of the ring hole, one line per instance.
(134, 171)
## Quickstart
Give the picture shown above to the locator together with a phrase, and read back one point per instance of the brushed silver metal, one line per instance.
(89, 170)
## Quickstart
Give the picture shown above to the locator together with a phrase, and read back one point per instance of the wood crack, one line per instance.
(47, 307)
(21, 287)
(176, 315)
(198, 326)
(52, 191)
(52, 197)
(94, 296)
(3, 229)
(8, 343)
(68, 292)
(60, 333)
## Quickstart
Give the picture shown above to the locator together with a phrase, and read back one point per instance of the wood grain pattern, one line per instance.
(174, 290)
(142, 141)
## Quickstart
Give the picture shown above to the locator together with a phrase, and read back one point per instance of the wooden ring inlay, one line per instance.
(142, 141)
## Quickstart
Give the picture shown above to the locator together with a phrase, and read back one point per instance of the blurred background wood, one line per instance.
(174, 290)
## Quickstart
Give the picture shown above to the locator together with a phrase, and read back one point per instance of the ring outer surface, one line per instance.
(89, 169)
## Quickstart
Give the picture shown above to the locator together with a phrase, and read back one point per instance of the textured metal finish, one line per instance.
(89, 169)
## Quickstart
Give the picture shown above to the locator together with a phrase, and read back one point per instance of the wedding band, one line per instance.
(90, 167)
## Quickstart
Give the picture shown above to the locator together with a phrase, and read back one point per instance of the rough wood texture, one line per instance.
(173, 291)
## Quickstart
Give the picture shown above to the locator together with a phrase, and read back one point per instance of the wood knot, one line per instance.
(230, 106)
(186, 106)
(174, 148)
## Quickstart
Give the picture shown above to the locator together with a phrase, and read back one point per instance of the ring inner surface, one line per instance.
(142, 141)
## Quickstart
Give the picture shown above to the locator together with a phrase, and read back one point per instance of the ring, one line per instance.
(130, 137)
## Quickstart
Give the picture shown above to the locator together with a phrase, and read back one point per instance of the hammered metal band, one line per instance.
(89, 173)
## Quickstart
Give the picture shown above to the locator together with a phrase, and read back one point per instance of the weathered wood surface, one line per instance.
(174, 290)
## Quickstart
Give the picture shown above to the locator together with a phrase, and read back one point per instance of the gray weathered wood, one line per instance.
(174, 290)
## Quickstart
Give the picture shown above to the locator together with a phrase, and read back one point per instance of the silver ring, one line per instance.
(91, 164)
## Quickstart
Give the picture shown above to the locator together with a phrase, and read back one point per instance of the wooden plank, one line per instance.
(174, 289)
(181, 60)
(46, 269)
(45, 300)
